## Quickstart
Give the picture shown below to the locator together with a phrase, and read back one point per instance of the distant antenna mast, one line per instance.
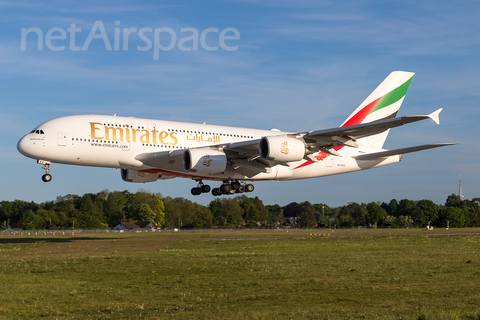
(460, 195)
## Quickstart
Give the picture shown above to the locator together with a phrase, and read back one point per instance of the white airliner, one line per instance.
(149, 150)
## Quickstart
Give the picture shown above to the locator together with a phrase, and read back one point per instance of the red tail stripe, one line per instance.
(362, 114)
(356, 119)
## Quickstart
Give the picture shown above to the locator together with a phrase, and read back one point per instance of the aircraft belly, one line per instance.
(338, 165)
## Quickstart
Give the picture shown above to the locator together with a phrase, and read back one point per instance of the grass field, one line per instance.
(346, 274)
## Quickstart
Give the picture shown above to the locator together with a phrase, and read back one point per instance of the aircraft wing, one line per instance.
(348, 135)
(326, 140)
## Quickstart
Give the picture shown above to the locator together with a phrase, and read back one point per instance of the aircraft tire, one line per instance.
(47, 177)
(196, 191)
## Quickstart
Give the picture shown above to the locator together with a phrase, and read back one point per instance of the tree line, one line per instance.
(105, 210)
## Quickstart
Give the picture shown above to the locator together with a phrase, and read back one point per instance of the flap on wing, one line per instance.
(168, 160)
(247, 147)
(384, 154)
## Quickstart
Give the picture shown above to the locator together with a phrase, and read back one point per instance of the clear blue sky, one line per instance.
(300, 65)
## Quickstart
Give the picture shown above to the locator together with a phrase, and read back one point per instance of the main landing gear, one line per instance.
(201, 188)
(47, 177)
(228, 187)
(232, 188)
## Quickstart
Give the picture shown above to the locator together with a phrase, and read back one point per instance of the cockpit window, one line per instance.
(33, 131)
(37, 131)
(41, 132)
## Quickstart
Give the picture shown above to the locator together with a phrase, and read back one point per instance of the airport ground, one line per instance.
(260, 274)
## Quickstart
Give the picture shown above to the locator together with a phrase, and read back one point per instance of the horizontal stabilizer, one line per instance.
(384, 154)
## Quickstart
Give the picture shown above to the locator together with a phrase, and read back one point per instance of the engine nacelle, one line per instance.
(281, 148)
(204, 160)
(138, 176)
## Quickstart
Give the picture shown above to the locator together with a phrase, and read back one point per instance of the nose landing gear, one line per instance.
(47, 177)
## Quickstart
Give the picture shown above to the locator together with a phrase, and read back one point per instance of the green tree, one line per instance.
(215, 207)
(375, 213)
(391, 221)
(91, 206)
(292, 210)
(262, 212)
(344, 217)
(454, 200)
(307, 216)
(113, 208)
(428, 212)
(405, 221)
(46, 218)
(359, 214)
(203, 217)
(159, 211)
(275, 213)
(323, 209)
(231, 212)
(251, 213)
(474, 209)
(455, 216)
(144, 213)
(392, 207)
(405, 208)
(173, 213)
(29, 220)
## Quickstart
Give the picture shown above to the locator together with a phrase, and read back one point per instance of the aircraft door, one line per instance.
(329, 161)
(62, 139)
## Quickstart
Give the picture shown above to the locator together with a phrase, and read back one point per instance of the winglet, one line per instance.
(434, 116)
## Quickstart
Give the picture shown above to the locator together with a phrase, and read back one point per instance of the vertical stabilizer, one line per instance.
(383, 103)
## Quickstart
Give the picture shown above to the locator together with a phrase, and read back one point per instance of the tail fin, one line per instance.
(383, 103)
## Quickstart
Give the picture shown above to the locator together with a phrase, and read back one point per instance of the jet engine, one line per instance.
(281, 148)
(204, 161)
(138, 176)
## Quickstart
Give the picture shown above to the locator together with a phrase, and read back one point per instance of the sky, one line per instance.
(291, 65)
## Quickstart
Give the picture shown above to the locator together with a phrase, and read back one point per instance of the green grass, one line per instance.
(254, 275)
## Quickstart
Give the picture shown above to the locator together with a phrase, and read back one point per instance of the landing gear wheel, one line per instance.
(196, 191)
(225, 188)
(249, 188)
(47, 177)
(205, 188)
(241, 189)
(216, 191)
(235, 185)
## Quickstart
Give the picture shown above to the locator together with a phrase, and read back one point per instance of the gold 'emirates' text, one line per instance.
(99, 132)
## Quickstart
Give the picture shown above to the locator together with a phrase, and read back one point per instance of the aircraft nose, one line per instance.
(24, 146)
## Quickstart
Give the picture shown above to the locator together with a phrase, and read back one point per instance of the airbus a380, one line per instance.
(149, 150)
